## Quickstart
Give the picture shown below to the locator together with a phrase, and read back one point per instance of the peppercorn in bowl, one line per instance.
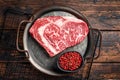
(70, 61)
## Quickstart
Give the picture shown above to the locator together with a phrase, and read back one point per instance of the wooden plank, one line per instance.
(12, 21)
(1, 16)
(8, 39)
(81, 5)
(105, 71)
(24, 70)
(110, 47)
(27, 2)
(100, 19)
(12, 56)
(107, 59)
(103, 20)
(92, 7)
(78, 5)
(110, 43)
(102, 15)
(2, 69)
(11, 2)
(89, 1)
(27, 71)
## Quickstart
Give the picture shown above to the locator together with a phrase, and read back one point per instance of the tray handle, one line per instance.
(17, 39)
(98, 42)
(95, 55)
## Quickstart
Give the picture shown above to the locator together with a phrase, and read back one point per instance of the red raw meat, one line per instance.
(56, 33)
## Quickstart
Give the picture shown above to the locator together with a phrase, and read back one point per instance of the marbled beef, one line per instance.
(56, 33)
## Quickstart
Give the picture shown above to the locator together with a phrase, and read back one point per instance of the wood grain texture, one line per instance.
(2, 69)
(105, 71)
(110, 51)
(8, 39)
(102, 14)
(103, 20)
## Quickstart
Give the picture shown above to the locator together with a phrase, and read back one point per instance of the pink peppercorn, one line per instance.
(70, 61)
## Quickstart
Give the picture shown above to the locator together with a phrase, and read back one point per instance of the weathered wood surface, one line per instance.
(102, 14)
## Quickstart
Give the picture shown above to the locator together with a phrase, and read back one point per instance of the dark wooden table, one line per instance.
(102, 14)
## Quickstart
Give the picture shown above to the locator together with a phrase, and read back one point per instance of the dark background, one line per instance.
(102, 14)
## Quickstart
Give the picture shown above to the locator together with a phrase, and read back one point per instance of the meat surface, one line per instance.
(56, 33)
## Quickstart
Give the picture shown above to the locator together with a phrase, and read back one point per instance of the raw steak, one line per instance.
(56, 33)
